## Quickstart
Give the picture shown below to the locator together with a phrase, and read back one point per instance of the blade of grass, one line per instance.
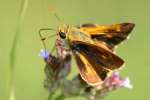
(24, 5)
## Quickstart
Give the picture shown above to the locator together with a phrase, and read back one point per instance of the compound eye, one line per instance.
(62, 35)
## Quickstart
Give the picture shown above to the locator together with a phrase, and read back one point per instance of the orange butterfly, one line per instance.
(93, 47)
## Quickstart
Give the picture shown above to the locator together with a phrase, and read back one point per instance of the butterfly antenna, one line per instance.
(57, 17)
(45, 29)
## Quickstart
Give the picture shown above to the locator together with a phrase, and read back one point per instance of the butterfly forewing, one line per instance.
(86, 70)
(94, 62)
(112, 35)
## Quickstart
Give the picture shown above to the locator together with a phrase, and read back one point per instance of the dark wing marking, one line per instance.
(86, 25)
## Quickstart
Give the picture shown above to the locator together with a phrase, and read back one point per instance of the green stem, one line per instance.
(60, 97)
(24, 4)
(50, 96)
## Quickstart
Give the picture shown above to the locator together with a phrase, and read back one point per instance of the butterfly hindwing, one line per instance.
(95, 62)
(112, 35)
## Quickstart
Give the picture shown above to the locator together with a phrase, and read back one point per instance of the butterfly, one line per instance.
(93, 47)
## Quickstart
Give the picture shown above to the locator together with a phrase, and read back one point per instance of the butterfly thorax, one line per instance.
(61, 41)
(69, 35)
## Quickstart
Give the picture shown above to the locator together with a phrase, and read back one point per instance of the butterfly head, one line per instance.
(63, 36)
(63, 31)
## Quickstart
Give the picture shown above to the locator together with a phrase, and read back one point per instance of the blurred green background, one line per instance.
(29, 67)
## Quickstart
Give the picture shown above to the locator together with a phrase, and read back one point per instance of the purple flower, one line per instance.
(115, 81)
(126, 83)
(44, 54)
